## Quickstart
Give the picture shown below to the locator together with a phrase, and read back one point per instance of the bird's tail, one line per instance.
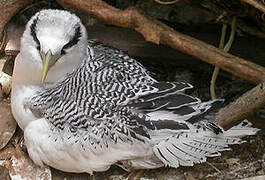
(193, 146)
(242, 129)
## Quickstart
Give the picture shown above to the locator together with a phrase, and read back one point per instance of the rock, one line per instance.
(5, 84)
(23, 168)
(60, 175)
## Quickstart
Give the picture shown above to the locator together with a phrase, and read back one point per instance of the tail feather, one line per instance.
(194, 146)
(242, 129)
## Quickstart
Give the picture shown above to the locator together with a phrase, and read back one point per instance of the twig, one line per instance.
(251, 30)
(255, 4)
(166, 2)
(222, 41)
(244, 106)
(226, 49)
(159, 33)
(3, 42)
(232, 35)
(212, 175)
(215, 168)
(248, 166)
(216, 69)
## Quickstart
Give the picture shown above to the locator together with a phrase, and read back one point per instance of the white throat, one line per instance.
(29, 73)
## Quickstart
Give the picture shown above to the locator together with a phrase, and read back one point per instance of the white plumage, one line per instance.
(84, 106)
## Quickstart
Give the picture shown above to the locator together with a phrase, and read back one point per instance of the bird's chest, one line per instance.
(20, 110)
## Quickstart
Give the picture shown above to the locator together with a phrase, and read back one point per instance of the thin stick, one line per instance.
(226, 49)
(166, 2)
(241, 168)
(3, 42)
(215, 168)
(232, 35)
(216, 68)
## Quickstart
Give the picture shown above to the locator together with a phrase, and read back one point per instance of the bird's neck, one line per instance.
(27, 73)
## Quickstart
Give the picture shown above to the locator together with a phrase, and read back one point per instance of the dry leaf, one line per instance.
(232, 161)
(7, 124)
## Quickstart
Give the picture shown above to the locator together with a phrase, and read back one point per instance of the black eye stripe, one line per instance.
(63, 52)
(33, 32)
(75, 38)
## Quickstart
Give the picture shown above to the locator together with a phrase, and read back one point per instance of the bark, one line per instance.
(159, 33)
(243, 107)
(256, 4)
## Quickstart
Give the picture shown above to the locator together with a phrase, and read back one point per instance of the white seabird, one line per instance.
(84, 106)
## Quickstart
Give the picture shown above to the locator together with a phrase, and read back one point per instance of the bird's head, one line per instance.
(54, 41)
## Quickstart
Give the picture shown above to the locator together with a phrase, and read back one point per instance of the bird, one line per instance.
(84, 106)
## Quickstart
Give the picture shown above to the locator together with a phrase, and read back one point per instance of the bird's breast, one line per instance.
(19, 97)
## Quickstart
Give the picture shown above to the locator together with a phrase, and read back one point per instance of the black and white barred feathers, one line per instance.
(111, 99)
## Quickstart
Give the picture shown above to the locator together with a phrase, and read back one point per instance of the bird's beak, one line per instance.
(48, 61)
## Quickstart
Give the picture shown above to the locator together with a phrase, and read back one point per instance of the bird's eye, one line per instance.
(74, 40)
(63, 52)
(38, 47)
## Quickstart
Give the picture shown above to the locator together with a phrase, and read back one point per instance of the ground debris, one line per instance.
(22, 168)
(7, 124)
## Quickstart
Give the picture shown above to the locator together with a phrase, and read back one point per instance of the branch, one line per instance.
(251, 30)
(244, 106)
(256, 4)
(8, 9)
(166, 2)
(159, 33)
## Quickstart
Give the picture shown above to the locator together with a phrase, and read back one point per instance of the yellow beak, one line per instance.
(48, 61)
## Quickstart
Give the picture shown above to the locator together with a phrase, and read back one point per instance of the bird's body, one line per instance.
(100, 107)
